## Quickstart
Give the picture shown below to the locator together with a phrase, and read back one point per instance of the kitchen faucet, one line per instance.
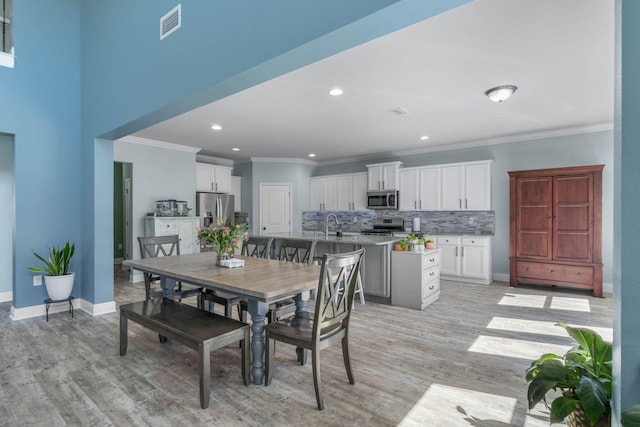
(326, 224)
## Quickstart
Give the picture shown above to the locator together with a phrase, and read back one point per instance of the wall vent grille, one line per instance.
(170, 22)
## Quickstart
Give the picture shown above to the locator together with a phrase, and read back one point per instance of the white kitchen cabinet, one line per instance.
(466, 258)
(184, 227)
(420, 189)
(213, 178)
(236, 190)
(384, 176)
(466, 186)
(351, 192)
(323, 193)
(415, 278)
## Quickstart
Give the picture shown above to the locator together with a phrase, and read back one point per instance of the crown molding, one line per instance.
(202, 158)
(282, 160)
(158, 144)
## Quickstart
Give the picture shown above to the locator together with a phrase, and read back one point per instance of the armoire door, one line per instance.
(534, 221)
(573, 218)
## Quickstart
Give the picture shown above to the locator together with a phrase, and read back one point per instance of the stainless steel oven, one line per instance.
(383, 199)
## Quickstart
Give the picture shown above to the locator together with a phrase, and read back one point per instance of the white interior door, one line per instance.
(275, 208)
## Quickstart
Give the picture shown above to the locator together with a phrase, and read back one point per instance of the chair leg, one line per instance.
(228, 311)
(315, 361)
(246, 357)
(347, 359)
(123, 335)
(269, 355)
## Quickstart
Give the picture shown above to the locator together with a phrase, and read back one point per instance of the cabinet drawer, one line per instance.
(450, 240)
(577, 274)
(166, 228)
(474, 241)
(430, 274)
(528, 269)
(430, 287)
(430, 260)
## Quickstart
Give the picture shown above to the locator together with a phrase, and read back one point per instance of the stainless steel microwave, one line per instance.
(382, 199)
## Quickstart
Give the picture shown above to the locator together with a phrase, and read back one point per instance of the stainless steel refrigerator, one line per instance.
(211, 207)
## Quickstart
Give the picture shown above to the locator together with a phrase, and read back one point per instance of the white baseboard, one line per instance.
(79, 303)
(6, 296)
(501, 277)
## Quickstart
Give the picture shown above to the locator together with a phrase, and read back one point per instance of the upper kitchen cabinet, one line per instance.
(213, 178)
(323, 195)
(420, 188)
(352, 192)
(384, 176)
(466, 186)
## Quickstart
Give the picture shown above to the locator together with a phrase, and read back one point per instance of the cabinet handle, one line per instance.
(432, 259)
(460, 203)
(431, 287)
(415, 205)
(420, 204)
(456, 251)
(383, 184)
(462, 251)
(432, 273)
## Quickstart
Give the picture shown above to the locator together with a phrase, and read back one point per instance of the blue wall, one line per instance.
(41, 108)
(626, 359)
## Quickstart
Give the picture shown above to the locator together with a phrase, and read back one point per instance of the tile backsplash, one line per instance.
(431, 222)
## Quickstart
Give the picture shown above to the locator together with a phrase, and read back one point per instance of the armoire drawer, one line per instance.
(430, 260)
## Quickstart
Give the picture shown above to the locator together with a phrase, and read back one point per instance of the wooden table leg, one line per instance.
(258, 310)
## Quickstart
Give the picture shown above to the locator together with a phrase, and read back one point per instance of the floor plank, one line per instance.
(458, 362)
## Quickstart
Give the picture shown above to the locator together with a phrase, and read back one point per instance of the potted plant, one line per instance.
(583, 377)
(57, 279)
(631, 417)
(429, 244)
(401, 245)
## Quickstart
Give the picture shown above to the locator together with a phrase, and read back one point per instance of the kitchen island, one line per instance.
(376, 265)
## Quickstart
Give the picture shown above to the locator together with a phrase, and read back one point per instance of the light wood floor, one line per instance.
(460, 362)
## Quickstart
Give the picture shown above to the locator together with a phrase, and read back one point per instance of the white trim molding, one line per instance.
(6, 296)
(158, 144)
(79, 303)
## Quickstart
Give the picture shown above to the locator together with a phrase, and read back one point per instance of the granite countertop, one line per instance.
(356, 239)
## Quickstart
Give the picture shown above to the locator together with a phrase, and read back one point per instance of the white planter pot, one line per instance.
(59, 287)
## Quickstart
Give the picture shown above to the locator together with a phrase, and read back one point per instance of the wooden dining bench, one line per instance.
(197, 329)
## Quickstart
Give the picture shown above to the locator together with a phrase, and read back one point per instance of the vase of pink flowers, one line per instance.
(223, 238)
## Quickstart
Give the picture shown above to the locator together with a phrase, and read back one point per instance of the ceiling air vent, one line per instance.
(170, 22)
(399, 111)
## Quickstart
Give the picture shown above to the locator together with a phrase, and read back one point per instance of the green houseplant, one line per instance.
(582, 375)
(57, 278)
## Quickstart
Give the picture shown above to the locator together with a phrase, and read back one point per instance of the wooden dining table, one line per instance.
(261, 281)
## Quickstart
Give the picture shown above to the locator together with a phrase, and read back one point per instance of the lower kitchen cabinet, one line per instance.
(415, 278)
(374, 268)
(184, 227)
(466, 258)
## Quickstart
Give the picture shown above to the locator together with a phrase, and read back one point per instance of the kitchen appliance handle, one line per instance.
(388, 204)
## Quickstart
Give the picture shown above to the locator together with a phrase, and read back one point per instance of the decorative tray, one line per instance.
(232, 263)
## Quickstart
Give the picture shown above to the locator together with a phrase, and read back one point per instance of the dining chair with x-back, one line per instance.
(155, 246)
(330, 322)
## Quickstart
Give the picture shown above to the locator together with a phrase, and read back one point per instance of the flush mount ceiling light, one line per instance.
(216, 127)
(312, 155)
(501, 93)
(424, 138)
(336, 91)
(235, 149)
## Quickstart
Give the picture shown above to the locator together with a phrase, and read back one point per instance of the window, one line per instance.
(6, 34)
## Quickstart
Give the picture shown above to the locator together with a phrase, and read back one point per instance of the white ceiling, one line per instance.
(558, 52)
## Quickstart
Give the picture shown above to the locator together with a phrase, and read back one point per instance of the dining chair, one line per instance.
(301, 251)
(330, 321)
(152, 247)
(258, 247)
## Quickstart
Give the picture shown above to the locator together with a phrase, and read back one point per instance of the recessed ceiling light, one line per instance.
(336, 91)
(235, 149)
(216, 127)
(312, 155)
(424, 137)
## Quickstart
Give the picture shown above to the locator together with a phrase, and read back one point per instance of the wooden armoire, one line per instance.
(555, 233)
